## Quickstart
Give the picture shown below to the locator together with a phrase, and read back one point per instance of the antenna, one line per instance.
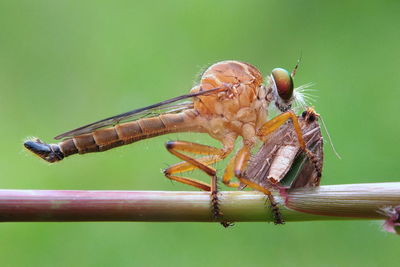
(297, 65)
(329, 138)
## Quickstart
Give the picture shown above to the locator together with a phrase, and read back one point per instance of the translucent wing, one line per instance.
(172, 105)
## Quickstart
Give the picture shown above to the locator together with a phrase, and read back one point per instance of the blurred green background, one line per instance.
(67, 63)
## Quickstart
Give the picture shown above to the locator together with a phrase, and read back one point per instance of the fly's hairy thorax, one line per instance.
(241, 109)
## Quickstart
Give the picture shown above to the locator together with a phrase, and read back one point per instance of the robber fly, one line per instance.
(230, 101)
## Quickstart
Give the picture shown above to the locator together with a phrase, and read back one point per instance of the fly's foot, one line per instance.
(278, 218)
(217, 213)
(227, 224)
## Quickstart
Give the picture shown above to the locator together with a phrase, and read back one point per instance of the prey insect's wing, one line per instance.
(173, 105)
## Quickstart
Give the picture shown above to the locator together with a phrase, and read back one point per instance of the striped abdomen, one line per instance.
(121, 134)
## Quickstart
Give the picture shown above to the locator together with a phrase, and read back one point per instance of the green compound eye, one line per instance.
(284, 83)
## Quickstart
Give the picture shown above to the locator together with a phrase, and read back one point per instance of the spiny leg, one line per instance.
(315, 162)
(229, 174)
(189, 163)
(236, 166)
(185, 167)
(215, 203)
(214, 155)
(273, 124)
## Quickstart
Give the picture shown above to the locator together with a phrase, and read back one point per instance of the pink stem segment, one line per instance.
(357, 201)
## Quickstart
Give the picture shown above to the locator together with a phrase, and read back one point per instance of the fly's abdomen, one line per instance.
(119, 135)
(49, 152)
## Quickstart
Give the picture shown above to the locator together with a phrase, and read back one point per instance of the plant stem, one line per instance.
(353, 201)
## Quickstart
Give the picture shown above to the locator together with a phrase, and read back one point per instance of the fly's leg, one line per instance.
(213, 155)
(236, 167)
(273, 124)
(189, 163)
(315, 161)
(229, 174)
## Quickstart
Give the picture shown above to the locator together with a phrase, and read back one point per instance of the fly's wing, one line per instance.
(173, 105)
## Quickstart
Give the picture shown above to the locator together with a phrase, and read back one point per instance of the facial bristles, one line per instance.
(301, 97)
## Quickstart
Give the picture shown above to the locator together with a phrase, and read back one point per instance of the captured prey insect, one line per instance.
(281, 164)
(281, 154)
(230, 101)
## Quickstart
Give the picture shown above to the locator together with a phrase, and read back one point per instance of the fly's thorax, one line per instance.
(241, 82)
(230, 72)
(244, 122)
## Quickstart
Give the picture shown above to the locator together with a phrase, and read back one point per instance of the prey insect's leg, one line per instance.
(237, 166)
(214, 155)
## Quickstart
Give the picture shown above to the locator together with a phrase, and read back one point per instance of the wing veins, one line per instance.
(123, 116)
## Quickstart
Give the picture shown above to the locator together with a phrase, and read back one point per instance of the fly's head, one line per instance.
(283, 91)
(282, 88)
